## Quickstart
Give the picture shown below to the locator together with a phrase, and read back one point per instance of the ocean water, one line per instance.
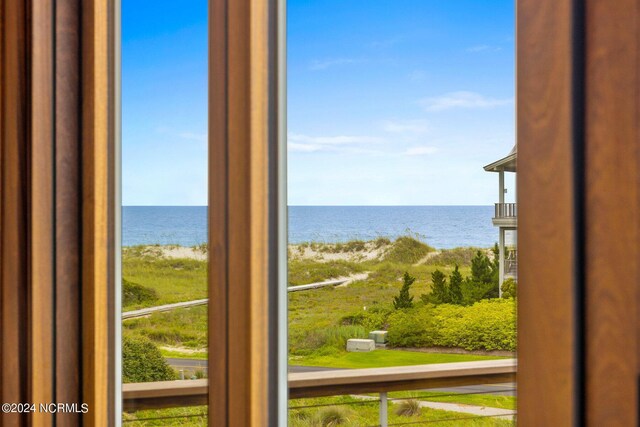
(440, 226)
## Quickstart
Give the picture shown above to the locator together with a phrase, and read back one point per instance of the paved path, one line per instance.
(189, 366)
(168, 307)
(479, 411)
(483, 411)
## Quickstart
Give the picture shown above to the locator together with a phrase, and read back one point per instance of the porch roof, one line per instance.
(507, 163)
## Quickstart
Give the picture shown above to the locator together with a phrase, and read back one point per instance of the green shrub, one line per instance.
(332, 416)
(142, 362)
(509, 288)
(407, 250)
(133, 293)
(404, 300)
(473, 291)
(486, 325)
(410, 328)
(374, 318)
(325, 340)
(409, 408)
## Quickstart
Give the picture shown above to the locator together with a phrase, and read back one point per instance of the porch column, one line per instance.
(501, 259)
(501, 186)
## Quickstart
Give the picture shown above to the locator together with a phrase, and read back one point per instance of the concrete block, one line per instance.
(360, 345)
(380, 337)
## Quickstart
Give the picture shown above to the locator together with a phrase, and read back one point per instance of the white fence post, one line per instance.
(383, 410)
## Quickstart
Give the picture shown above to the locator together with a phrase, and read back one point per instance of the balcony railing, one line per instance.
(381, 381)
(506, 210)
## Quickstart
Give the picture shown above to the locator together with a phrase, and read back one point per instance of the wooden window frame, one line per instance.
(577, 121)
(578, 130)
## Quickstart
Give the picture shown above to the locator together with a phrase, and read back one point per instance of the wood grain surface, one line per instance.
(546, 239)
(612, 213)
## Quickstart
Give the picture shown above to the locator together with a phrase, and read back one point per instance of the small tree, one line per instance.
(483, 282)
(509, 287)
(404, 300)
(455, 286)
(439, 289)
(481, 271)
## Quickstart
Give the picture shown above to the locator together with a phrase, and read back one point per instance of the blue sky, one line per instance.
(389, 103)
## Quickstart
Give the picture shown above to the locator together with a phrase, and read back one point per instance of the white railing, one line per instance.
(506, 210)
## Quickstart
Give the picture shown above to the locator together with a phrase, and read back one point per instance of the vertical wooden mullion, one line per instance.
(547, 324)
(239, 212)
(67, 207)
(97, 220)
(612, 212)
(218, 230)
(13, 206)
(41, 211)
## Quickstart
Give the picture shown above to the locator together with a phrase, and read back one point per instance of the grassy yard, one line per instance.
(489, 400)
(356, 412)
(382, 359)
(352, 412)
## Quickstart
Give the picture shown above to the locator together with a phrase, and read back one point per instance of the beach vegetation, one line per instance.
(143, 362)
(439, 289)
(333, 416)
(456, 256)
(509, 288)
(133, 293)
(320, 320)
(404, 299)
(407, 250)
(408, 408)
(455, 286)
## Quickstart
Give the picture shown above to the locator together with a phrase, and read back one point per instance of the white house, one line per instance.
(506, 218)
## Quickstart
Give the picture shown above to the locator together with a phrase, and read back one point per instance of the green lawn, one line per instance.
(200, 355)
(356, 412)
(190, 417)
(382, 359)
(484, 399)
(310, 412)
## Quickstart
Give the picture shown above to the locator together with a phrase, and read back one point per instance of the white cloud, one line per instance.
(303, 148)
(406, 126)
(420, 150)
(484, 48)
(462, 99)
(327, 63)
(333, 140)
(341, 143)
(200, 137)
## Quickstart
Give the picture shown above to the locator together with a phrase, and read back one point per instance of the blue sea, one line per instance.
(440, 226)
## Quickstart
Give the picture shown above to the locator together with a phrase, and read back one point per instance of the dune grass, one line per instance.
(173, 280)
